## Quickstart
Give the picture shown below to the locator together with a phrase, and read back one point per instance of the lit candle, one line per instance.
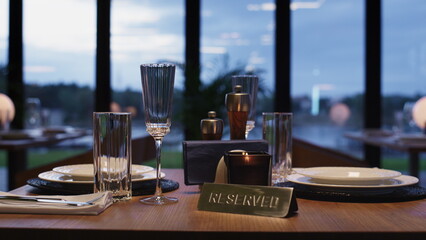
(249, 168)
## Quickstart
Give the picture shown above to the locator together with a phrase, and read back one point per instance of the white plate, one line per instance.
(400, 181)
(345, 175)
(52, 176)
(86, 170)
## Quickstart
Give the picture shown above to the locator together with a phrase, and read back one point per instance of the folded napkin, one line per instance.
(222, 170)
(100, 200)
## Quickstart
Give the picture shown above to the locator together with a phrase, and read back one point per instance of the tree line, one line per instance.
(77, 102)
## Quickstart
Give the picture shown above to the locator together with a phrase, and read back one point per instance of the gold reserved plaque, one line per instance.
(247, 199)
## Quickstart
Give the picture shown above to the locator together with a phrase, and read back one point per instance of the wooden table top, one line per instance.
(41, 140)
(314, 220)
(390, 141)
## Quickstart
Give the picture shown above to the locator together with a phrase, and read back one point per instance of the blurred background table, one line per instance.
(314, 220)
(16, 144)
(412, 147)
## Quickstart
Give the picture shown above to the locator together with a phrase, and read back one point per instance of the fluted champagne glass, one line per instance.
(157, 95)
(249, 85)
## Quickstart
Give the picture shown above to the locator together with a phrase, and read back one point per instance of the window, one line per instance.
(59, 48)
(403, 70)
(404, 62)
(327, 72)
(239, 38)
(4, 27)
(145, 32)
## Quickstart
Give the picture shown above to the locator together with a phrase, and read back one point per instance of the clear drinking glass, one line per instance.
(112, 159)
(250, 85)
(33, 113)
(409, 124)
(277, 128)
(157, 96)
(4, 120)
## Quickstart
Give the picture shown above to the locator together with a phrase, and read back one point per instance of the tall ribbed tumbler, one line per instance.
(277, 131)
(112, 158)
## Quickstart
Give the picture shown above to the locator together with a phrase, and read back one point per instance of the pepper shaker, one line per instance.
(212, 127)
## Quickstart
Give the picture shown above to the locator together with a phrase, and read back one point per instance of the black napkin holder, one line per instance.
(201, 157)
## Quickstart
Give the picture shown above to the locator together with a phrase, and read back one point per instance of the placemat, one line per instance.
(139, 188)
(399, 194)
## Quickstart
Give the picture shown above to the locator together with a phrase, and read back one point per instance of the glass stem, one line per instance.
(158, 143)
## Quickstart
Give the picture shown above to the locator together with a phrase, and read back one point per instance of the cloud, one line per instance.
(131, 27)
(39, 69)
(206, 13)
(213, 50)
(67, 26)
(306, 5)
(158, 44)
(266, 40)
(125, 13)
(255, 59)
(231, 35)
(4, 18)
(261, 7)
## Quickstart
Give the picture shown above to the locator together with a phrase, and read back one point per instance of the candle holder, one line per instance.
(201, 158)
(249, 168)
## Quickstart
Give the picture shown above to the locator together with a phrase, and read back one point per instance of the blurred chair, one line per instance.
(143, 149)
(306, 154)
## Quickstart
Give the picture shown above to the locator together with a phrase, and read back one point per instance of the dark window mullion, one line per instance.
(103, 64)
(192, 96)
(282, 101)
(15, 81)
(372, 99)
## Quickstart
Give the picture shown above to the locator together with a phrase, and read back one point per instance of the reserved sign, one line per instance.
(247, 199)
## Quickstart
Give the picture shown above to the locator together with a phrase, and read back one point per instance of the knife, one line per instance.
(45, 200)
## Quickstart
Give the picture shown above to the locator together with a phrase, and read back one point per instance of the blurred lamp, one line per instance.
(7, 111)
(419, 113)
(115, 107)
(132, 110)
(340, 113)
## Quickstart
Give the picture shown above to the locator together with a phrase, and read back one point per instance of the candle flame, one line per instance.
(246, 157)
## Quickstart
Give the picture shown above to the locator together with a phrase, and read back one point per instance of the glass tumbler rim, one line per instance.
(244, 76)
(277, 113)
(157, 65)
(113, 113)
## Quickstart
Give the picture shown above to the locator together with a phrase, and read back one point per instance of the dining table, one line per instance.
(17, 142)
(314, 219)
(414, 147)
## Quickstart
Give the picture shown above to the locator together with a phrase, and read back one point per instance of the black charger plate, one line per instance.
(398, 194)
(139, 188)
